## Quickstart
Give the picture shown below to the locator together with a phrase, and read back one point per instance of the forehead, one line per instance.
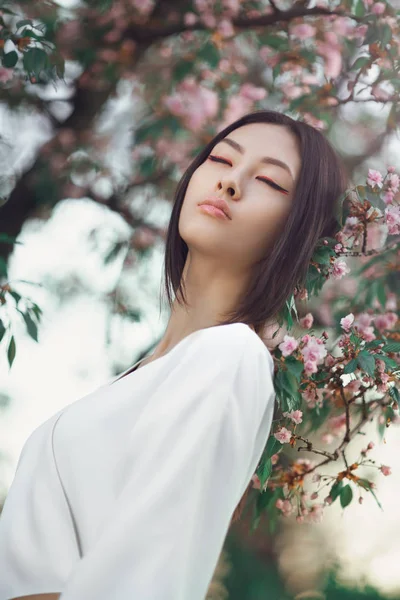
(267, 139)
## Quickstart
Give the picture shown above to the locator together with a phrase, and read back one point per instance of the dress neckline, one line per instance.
(134, 369)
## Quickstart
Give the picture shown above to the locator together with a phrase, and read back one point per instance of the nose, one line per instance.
(230, 186)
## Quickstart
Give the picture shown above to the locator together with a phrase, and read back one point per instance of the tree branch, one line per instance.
(142, 34)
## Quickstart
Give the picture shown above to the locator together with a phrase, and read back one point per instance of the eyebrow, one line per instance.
(269, 160)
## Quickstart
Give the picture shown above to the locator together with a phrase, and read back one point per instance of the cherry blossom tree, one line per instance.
(332, 64)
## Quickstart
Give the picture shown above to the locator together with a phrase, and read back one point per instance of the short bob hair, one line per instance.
(322, 180)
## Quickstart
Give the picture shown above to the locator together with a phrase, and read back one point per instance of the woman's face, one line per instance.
(259, 194)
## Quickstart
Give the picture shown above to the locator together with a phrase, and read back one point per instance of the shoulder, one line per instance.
(236, 348)
(237, 340)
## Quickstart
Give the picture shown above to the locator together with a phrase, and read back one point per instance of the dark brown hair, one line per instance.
(322, 180)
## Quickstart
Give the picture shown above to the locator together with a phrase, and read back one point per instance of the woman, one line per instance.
(129, 491)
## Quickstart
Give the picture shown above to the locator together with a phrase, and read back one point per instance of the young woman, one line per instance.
(129, 491)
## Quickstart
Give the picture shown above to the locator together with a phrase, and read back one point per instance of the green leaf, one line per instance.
(181, 70)
(346, 495)
(35, 60)
(30, 325)
(11, 351)
(392, 347)
(15, 295)
(350, 367)
(361, 62)
(8, 11)
(336, 489)
(3, 267)
(364, 483)
(359, 8)
(147, 166)
(277, 42)
(10, 59)
(373, 344)
(393, 392)
(322, 255)
(209, 53)
(8, 239)
(2, 330)
(37, 311)
(272, 447)
(386, 35)
(366, 362)
(296, 367)
(389, 362)
(265, 472)
(23, 22)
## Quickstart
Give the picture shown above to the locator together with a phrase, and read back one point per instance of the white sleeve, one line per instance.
(38, 545)
(190, 459)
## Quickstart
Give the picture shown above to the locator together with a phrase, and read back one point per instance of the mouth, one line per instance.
(219, 204)
(213, 211)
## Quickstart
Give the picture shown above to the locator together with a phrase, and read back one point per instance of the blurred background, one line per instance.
(97, 126)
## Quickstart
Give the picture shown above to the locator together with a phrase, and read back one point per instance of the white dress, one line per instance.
(128, 492)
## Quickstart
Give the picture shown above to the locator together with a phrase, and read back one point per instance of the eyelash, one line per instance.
(265, 179)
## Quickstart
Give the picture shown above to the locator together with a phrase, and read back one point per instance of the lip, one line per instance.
(214, 211)
(219, 203)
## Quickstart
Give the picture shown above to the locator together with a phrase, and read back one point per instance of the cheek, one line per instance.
(259, 228)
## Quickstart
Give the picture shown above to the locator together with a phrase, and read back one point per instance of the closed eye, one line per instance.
(265, 179)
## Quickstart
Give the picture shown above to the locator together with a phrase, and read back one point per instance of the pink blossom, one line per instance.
(313, 396)
(303, 31)
(294, 415)
(291, 90)
(285, 506)
(391, 169)
(378, 8)
(353, 386)
(327, 438)
(209, 20)
(386, 321)
(252, 92)
(274, 458)
(283, 435)
(360, 31)
(233, 6)
(374, 178)
(371, 445)
(392, 216)
(143, 6)
(346, 322)
(394, 182)
(391, 303)
(195, 103)
(190, 18)
(337, 424)
(315, 514)
(311, 120)
(386, 470)
(237, 107)
(307, 321)
(256, 482)
(310, 367)
(380, 94)
(288, 345)
(339, 269)
(383, 385)
(333, 58)
(6, 74)
(388, 197)
(314, 350)
(225, 28)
